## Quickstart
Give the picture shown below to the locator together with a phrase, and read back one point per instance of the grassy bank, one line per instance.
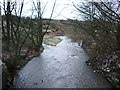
(51, 40)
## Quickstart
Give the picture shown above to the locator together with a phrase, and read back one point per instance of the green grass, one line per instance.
(51, 41)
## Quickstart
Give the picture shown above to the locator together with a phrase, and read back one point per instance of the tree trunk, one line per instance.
(8, 26)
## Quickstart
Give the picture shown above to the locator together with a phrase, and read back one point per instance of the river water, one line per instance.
(61, 66)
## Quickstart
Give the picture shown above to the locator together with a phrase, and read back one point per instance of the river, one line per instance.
(61, 66)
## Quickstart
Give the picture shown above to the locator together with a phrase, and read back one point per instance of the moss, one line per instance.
(52, 41)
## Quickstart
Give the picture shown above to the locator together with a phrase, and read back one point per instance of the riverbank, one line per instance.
(60, 66)
(9, 75)
(9, 70)
(105, 63)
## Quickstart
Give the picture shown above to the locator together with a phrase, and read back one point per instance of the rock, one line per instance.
(94, 70)
(72, 55)
(35, 83)
(42, 81)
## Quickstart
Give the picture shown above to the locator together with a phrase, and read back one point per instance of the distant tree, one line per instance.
(36, 26)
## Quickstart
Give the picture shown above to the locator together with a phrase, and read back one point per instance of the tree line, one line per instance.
(18, 31)
(102, 22)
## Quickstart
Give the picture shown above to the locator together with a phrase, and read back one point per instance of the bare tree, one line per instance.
(102, 23)
(35, 32)
(14, 35)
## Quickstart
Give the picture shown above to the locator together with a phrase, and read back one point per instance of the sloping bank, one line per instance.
(106, 64)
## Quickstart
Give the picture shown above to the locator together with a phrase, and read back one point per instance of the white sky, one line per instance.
(63, 9)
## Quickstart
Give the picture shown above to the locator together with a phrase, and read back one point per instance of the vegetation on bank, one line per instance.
(103, 60)
(51, 40)
(100, 32)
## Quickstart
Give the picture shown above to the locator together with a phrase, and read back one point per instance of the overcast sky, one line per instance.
(63, 8)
